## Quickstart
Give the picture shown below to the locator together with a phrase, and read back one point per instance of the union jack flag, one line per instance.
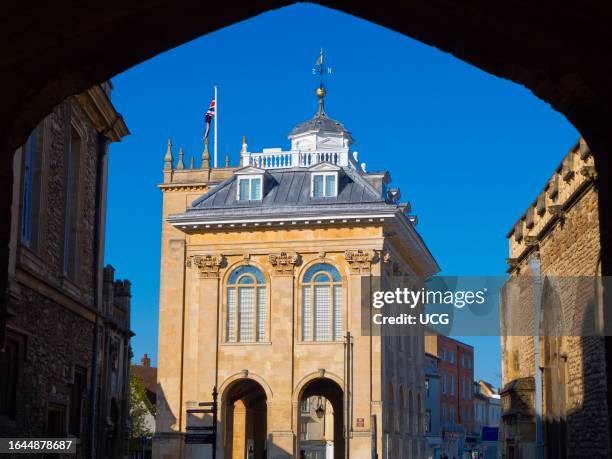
(209, 116)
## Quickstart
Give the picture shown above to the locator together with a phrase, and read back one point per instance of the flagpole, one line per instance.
(215, 120)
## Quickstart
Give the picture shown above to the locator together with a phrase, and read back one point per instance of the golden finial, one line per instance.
(321, 95)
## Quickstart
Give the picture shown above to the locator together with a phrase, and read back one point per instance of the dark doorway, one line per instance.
(321, 406)
(245, 421)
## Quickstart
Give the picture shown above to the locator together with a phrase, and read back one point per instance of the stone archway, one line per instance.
(324, 400)
(244, 420)
(559, 53)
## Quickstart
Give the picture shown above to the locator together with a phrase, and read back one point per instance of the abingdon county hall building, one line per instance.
(262, 277)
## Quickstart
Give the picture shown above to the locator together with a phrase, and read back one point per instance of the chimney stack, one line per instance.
(145, 361)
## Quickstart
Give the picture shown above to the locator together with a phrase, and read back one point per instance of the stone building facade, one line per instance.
(263, 271)
(67, 341)
(553, 366)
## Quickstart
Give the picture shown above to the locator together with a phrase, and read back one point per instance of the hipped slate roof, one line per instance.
(287, 191)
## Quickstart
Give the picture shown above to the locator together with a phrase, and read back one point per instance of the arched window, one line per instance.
(322, 304)
(246, 305)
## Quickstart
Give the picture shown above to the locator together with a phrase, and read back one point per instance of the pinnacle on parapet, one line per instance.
(205, 155)
(180, 165)
(227, 161)
(243, 151)
(168, 160)
(191, 162)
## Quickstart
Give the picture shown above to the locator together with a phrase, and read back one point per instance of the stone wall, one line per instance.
(57, 340)
(52, 313)
(560, 231)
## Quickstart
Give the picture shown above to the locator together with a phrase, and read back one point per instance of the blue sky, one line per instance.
(469, 151)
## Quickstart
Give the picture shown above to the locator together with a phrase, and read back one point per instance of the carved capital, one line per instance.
(360, 261)
(207, 265)
(284, 263)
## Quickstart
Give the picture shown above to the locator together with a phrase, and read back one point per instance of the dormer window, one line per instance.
(249, 188)
(324, 185)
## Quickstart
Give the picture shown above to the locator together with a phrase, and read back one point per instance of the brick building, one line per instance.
(553, 359)
(62, 367)
(456, 368)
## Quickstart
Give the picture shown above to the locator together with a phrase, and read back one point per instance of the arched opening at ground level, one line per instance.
(321, 421)
(245, 420)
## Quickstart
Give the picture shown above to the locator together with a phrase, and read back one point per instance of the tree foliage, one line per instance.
(139, 407)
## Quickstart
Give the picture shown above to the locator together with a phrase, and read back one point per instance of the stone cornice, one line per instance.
(183, 186)
(99, 108)
(568, 183)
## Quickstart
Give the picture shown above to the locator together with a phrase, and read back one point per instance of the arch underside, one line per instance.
(527, 42)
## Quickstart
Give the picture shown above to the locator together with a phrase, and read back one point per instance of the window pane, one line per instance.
(255, 189)
(243, 186)
(250, 269)
(322, 307)
(307, 315)
(231, 314)
(261, 314)
(317, 186)
(246, 311)
(27, 186)
(338, 313)
(321, 277)
(332, 271)
(330, 185)
(246, 280)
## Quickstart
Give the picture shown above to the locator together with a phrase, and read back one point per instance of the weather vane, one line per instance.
(320, 68)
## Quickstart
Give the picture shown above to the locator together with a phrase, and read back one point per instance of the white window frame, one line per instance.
(250, 178)
(324, 175)
(260, 310)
